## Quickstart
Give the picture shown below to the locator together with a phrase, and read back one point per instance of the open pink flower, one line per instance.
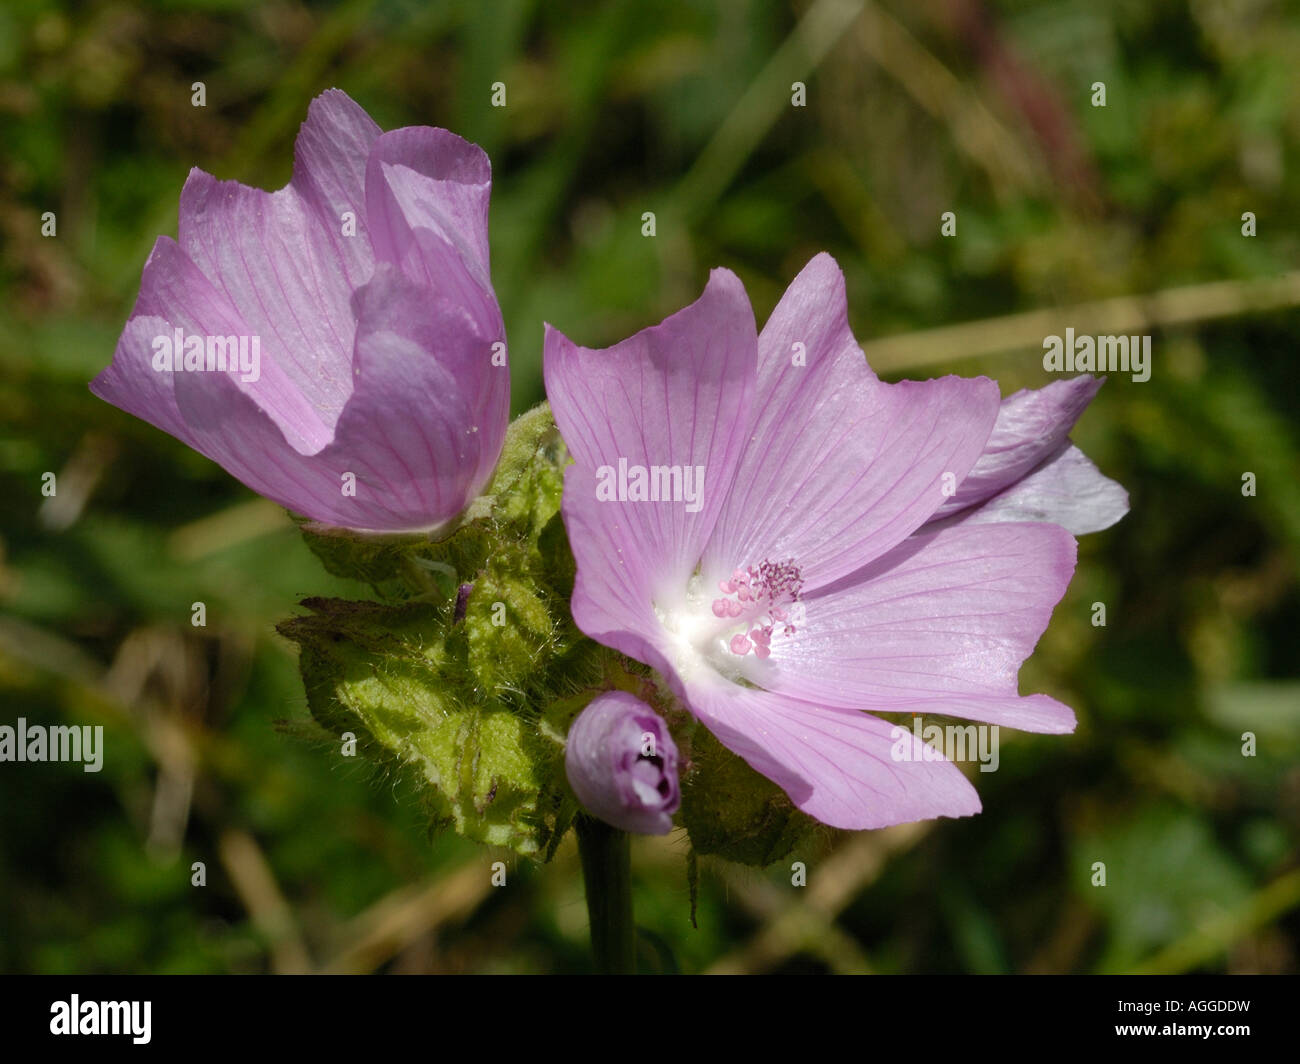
(369, 389)
(787, 579)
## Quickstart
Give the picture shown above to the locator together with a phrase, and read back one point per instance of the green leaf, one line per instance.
(396, 676)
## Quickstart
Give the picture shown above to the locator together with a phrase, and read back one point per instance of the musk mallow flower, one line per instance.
(818, 583)
(337, 344)
(621, 762)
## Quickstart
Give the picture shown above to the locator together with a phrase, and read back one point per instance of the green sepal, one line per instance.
(526, 486)
(470, 673)
(372, 560)
(733, 812)
(509, 628)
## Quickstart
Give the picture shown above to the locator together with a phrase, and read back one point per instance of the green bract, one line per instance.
(734, 812)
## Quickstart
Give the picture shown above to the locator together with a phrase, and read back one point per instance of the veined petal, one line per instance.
(281, 257)
(175, 294)
(129, 381)
(130, 384)
(838, 766)
(329, 173)
(1032, 426)
(613, 592)
(427, 193)
(413, 432)
(1067, 490)
(407, 437)
(941, 624)
(840, 466)
(258, 431)
(673, 397)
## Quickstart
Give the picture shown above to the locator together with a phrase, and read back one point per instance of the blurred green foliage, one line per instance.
(680, 107)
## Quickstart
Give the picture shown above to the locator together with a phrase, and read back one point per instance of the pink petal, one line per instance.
(1067, 490)
(427, 193)
(841, 466)
(677, 394)
(174, 293)
(216, 413)
(407, 434)
(1032, 425)
(129, 381)
(939, 625)
(415, 431)
(282, 259)
(613, 597)
(329, 174)
(254, 448)
(836, 766)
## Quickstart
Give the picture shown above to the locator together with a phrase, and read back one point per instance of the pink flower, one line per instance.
(806, 584)
(367, 392)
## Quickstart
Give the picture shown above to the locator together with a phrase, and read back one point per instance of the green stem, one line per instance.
(607, 874)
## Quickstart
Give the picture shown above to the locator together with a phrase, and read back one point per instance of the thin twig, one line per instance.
(831, 886)
(250, 874)
(1119, 316)
(406, 914)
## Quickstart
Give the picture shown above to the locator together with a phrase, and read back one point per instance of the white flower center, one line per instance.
(758, 604)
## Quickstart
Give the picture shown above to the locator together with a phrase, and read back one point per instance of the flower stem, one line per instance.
(607, 874)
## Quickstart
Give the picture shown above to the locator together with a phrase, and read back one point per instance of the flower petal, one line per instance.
(677, 394)
(174, 294)
(427, 193)
(415, 432)
(272, 257)
(1031, 427)
(1067, 490)
(329, 173)
(838, 766)
(281, 257)
(129, 381)
(613, 592)
(216, 413)
(840, 466)
(941, 624)
(408, 435)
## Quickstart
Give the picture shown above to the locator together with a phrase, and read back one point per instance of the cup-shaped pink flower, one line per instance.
(621, 762)
(758, 518)
(337, 344)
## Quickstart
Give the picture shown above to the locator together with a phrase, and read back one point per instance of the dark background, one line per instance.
(681, 108)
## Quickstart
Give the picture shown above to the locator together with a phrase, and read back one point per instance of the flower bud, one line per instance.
(622, 764)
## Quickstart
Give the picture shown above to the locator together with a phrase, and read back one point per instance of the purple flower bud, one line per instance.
(622, 764)
(336, 345)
